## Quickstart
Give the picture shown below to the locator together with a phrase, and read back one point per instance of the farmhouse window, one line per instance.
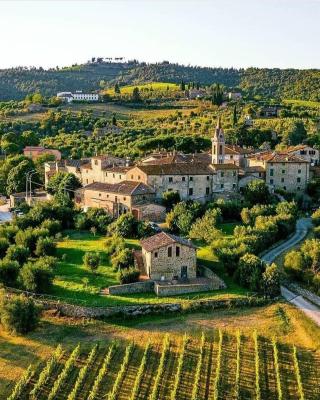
(170, 179)
(177, 251)
(156, 254)
(190, 191)
(170, 251)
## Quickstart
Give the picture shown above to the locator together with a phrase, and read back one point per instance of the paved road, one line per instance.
(311, 310)
(5, 214)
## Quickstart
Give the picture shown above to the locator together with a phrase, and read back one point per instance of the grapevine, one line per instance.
(64, 373)
(179, 368)
(165, 350)
(257, 363)
(112, 395)
(277, 368)
(218, 367)
(297, 372)
(237, 385)
(102, 372)
(83, 373)
(197, 374)
(46, 372)
(21, 384)
(141, 369)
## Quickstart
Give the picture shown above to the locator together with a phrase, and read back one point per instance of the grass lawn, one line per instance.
(157, 86)
(78, 284)
(303, 103)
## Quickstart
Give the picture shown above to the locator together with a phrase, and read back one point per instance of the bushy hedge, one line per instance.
(128, 275)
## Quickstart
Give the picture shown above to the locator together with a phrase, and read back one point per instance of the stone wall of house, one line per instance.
(130, 288)
(217, 283)
(160, 266)
(225, 180)
(289, 176)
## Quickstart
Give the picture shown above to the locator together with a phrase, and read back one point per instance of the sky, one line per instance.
(227, 33)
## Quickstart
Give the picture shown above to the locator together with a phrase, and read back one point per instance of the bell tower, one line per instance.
(218, 144)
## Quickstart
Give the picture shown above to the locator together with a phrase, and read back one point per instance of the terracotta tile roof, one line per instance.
(255, 168)
(178, 158)
(177, 169)
(277, 157)
(129, 188)
(291, 149)
(117, 169)
(226, 166)
(163, 239)
(233, 149)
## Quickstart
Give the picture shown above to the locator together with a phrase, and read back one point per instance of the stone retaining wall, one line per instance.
(129, 288)
(174, 290)
(146, 309)
(217, 283)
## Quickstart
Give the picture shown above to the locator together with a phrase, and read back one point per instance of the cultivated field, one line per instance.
(216, 366)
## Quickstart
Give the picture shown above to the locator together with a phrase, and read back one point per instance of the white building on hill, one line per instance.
(69, 97)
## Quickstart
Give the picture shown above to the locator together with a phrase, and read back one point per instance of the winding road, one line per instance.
(310, 309)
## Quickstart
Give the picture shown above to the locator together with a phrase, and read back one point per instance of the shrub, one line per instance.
(36, 277)
(91, 260)
(29, 237)
(17, 253)
(4, 244)
(9, 271)
(230, 209)
(316, 217)
(114, 244)
(183, 215)
(287, 208)
(271, 281)
(122, 259)
(128, 275)
(9, 232)
(19, 314)
(45, 247)
(249, 271)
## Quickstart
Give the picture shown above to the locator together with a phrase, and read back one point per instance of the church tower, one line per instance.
(218, 144)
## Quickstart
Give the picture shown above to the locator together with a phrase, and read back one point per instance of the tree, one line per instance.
(249, 271)
(170, 199)
(126, 226)
(205, 228)
(63, 182)
(36, 277)
(19, 314)
(9, 271)
(16, 181)
(217, 94)
(45, 247)
(316, 217)
(128, 275)
(271, 281)
(117, 88)
(257, 192)
(136, 95)
(122, 259)
(182, 86)
(295, 263)
(234, 116)
(114, 120)
(4, 244)
(91, 260)
(18, 253)
(296, 135)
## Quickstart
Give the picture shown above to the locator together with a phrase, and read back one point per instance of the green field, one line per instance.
(77, 284)
(157, 86)
(303, 103)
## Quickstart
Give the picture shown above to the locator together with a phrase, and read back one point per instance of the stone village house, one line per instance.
(168, 257)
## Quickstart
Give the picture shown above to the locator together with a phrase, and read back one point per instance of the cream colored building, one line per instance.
(306, 152)
(120, 198)
(169, 257)
(282, 170)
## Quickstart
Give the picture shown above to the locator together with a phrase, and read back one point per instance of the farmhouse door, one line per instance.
(184, 272)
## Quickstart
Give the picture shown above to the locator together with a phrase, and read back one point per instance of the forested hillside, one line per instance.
(16, 83)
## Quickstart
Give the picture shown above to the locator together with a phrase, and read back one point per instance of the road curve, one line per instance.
(309, 309)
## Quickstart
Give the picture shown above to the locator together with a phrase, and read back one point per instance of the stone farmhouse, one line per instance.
(282, 170)
(35, 152)
(168, 257)
(111, 182)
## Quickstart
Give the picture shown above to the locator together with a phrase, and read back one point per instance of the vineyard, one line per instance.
(215, 366)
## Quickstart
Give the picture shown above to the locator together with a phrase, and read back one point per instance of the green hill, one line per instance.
(16, 83)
